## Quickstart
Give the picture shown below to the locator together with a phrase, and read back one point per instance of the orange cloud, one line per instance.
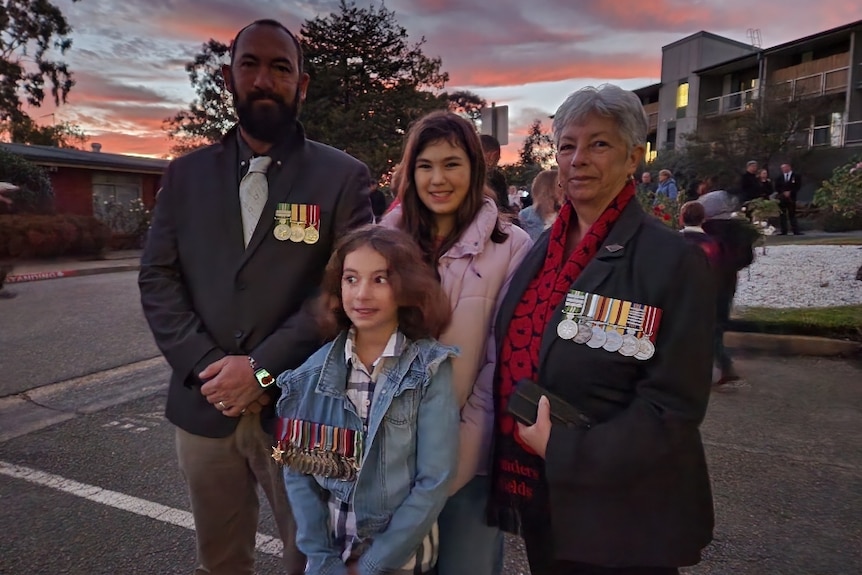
(552, 71)
(118, 143)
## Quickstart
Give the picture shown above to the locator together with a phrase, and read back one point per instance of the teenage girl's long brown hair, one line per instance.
(417, 220)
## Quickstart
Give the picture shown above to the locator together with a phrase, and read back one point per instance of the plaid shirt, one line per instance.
(360, 391)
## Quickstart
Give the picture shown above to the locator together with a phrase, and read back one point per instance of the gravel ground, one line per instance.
(801, 276)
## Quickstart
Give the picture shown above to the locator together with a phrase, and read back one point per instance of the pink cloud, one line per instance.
(124, 59)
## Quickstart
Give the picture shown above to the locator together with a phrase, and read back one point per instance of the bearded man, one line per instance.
(240, 237)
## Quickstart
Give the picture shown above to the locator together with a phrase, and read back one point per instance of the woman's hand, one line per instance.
(538, 434)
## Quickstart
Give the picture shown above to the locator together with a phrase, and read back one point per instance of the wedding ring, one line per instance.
(221, 405)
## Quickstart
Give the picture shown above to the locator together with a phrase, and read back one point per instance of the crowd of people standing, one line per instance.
(403, 391)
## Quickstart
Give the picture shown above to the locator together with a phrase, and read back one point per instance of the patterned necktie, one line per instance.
(253, 191)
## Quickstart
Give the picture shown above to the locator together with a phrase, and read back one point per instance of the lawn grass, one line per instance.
(843, 322)
(816, 241)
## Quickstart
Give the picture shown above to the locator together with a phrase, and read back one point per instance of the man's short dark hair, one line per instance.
(274, 24)
(489, 143)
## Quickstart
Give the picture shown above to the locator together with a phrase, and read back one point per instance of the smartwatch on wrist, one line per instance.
(263, 377)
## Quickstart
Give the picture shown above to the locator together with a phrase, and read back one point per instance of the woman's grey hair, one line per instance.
(606, 100)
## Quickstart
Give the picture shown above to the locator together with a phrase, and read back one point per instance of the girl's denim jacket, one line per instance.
(411, 451)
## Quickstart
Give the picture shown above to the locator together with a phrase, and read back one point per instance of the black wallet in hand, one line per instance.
(524, 405)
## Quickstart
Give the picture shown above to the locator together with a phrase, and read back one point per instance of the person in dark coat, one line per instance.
(764, 183)
(240, 237)
(787, 185)
(596, 318)
(748, 186)
(735, 238)
(494, 178)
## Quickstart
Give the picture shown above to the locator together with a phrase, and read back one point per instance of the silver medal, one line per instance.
(584, 333)
(646, 349)
(567, 329)
(629, 345)
(614, 341)
(598, 337)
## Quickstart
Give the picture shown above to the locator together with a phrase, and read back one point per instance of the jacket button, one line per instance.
(240, 286)
(238, 334)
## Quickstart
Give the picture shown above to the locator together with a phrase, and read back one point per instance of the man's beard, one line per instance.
(269, 122)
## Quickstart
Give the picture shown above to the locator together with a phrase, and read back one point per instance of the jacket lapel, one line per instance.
(226, 197)
(520, 280)
(612, 251)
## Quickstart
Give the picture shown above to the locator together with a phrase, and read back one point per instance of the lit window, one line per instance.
(682, 95)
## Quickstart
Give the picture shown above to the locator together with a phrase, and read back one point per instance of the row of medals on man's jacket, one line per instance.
(297, 223)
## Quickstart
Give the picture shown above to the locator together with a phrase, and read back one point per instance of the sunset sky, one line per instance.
(128, 57)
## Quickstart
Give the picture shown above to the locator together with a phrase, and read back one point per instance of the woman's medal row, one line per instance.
(612, 324)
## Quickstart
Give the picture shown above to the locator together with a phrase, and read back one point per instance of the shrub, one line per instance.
(43, 236)
(832, 221)
(129, 222)
(35, 196)
(761, 209)
(842, 193)
(666, 210)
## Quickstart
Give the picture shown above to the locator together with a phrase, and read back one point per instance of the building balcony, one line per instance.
(651, 111)
(835, 136)
(833, 81)
(729, 103)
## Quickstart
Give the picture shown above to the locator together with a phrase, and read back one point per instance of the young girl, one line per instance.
(367, 427)
(444, 207)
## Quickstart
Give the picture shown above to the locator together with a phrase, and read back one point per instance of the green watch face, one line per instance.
(264, 378)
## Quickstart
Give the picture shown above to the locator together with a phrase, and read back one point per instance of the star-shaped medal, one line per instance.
(278, 454)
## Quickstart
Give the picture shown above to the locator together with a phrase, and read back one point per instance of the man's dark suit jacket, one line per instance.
(634, 489)
(749, 188)
(792, 186)
(206, 296)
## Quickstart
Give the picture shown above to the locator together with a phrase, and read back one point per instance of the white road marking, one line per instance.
(163, 513)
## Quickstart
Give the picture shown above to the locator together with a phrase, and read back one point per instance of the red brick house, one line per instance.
(80, 177)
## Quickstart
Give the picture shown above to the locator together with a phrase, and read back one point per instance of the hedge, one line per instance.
(45, 236)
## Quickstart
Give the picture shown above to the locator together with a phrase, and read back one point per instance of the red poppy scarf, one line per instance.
(518, 471)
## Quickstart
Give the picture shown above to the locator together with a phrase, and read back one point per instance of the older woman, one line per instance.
(613, 313)
(547, 199)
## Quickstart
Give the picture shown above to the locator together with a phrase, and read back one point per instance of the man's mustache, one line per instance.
(266, 96)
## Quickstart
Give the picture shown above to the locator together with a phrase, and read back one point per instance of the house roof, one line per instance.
(709, 35)
(814, 39)
(800, 44)
(648, 90)
(733, 65)
(63, 157)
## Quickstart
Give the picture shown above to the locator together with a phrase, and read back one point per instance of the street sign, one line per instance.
(495, 122)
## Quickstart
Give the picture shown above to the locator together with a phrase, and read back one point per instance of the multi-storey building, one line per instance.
(706, 79)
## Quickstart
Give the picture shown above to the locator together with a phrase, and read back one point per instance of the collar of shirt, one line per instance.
(696, 229)
(279, 152)
(394, 347)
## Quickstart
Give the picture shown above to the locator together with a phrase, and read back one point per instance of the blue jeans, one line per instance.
(468, 546)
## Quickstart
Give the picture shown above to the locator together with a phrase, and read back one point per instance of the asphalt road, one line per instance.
(60, 329)
(99, 493)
